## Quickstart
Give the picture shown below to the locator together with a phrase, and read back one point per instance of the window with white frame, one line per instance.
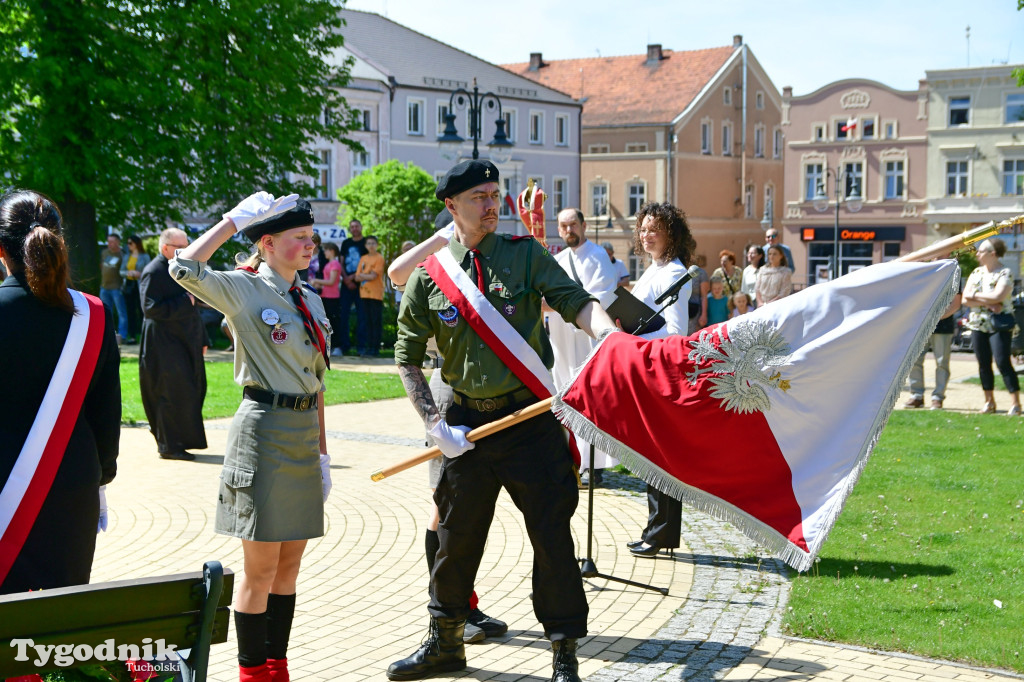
(598, 199)
(727, 95)
(853, 178)
(705, 137)
(323, 174)
(1014, 108)
(957, 177)
(777, 143)
(812, 178)
(510, 123)
(598, 149)
(818, 133)
(361, 161)
(414, 116)
(636, 193)
(895, 179)
(562, 130)
(868, 128)
(842, 131)
(536, 127)
(1013, 177)
(507, 190)
(748, 201)
(636, 147)
(726, 138)
(769, 196)
(759, 100)
(959, 110)
(759, 140)
(442, 111)
(366, 119)
(559, 193)
(889, 130)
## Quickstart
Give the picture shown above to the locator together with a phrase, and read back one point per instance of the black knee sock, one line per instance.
(251, 632)
(433, 543)
(280, 610)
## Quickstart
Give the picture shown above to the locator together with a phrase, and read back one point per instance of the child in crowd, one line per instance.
(370, 275)
(329, 285)
(718, 302)
(740, 304)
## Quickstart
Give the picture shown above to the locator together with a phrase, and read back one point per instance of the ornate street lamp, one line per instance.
(854, 202)
(476, 103)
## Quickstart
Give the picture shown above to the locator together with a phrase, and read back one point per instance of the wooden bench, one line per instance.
(189, 611)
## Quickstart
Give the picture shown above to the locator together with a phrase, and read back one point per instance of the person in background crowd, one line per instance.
(941, 344)
(370, 276)
(172, 376)
(663, 234)
(732, 276)
(718, 302)
(775, 280)
(273, 484)
(740, 304)
(989, 290)
(110, 283)
(771, 238)
(40, 324)
(352, 249)
(330, 285)
(131, 270)
(698, 304)
(621, 269)
(316, 263)
(755, 259)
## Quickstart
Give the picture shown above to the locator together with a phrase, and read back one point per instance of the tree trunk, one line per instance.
(81, 239)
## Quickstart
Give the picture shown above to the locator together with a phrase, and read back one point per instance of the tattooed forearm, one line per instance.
(419, 393)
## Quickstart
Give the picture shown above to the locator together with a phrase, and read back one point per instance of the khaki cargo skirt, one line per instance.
(270, 487)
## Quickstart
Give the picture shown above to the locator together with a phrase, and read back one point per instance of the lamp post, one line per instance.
(476, 103)
(854, 202)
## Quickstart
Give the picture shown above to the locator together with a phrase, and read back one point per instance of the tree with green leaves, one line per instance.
(1019, 73)
(130, 113)
(395, 202)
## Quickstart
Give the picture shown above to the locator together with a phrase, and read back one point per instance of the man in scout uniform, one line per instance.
(481, 299)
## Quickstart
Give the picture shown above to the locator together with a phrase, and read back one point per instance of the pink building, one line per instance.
(870, 140)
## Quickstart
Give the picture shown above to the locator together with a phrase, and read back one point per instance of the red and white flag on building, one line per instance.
(851, 123)
(768, 419)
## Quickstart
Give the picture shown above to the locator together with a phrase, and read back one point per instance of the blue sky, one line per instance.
(800, 43)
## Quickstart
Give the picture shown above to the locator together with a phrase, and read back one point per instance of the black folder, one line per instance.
(632, 313)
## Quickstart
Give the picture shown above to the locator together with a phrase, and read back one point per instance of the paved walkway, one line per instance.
(362, 590)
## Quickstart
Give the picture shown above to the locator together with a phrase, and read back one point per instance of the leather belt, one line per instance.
(492, 404)
(293, 402)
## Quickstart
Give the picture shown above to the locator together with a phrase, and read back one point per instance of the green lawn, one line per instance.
(223, 394)
(928, 555)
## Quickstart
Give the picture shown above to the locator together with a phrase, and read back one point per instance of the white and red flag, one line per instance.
(768, 419)
(851, 123)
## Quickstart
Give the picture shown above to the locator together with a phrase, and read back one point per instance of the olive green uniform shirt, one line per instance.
(518, 272)
(254, 304)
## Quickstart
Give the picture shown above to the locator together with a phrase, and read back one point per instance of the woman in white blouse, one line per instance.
(663, 234)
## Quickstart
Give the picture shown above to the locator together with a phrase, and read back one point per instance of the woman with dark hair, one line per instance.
(989, 290)
(62, 412)
(755, 259)
(131, 271)
(662, 233)
(276, 474)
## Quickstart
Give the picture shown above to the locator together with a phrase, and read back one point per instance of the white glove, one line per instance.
(325, 474)
(102, 524)
(451, 439)
(446, 233)
(259, 206)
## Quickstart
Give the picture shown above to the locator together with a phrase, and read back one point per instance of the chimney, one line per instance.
(737, 40)
(654, 53)
(536, 61)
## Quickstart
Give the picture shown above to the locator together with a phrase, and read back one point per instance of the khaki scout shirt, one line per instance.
(248, 301)
(517, 273)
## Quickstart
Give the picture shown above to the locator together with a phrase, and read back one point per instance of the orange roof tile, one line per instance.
(627, 90)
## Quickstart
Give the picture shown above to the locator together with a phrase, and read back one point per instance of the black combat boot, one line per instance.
(565, 664)
(442, 652)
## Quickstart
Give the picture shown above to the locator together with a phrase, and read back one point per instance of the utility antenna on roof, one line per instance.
(968, 45)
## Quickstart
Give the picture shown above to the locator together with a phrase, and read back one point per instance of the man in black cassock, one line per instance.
(171, 372)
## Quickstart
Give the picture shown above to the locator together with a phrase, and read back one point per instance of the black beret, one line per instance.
(300, 215)
(465, 175)
(443, 219)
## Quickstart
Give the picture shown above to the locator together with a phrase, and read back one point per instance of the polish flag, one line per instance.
(766, 420)
(851, 123)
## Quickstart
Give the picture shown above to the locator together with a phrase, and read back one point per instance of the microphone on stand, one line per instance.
(673, 291)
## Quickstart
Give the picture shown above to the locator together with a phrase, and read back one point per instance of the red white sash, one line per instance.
(489, 324)
(36, 467)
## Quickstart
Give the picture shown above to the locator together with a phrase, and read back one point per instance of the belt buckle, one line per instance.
(302, 404)
(488, 405)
